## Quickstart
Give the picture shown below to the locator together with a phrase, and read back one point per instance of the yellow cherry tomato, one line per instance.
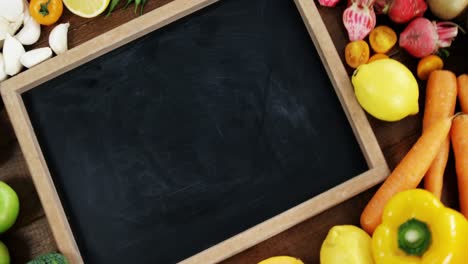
(427, 65)
(357, 53)
(377, 56)
(46, 12)
(382, 39)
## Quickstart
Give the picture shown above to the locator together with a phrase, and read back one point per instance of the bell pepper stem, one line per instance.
(414, 237)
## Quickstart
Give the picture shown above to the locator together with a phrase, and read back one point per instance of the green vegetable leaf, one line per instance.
(112, 6)
(143, 3)
(128, 3)
(137, 3)
(443, 53)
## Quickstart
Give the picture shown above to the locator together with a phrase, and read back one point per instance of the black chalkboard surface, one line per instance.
(193, 133)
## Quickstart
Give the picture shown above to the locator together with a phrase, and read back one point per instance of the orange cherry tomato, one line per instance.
(46, 12)
(356, 53)
(382, 39)
(427, 65)
(377, 56)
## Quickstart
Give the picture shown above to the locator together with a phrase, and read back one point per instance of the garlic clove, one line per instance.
(4, 30)
(3, 74)
(12, 52)
(11, 9)
(58, 38)
(35, 56)
(16, 24)
(30, 32)
(26, 10)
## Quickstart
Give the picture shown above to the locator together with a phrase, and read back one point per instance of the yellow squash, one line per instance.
(417, 229)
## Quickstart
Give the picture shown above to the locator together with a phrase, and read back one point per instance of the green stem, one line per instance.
(112, 6)
(44, 11)
(414, 237)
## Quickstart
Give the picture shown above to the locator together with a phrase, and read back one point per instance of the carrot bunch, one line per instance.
(428, 157)
(459, 138)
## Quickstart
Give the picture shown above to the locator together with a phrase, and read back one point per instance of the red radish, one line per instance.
(423, 37)
(359, 20)
(329, 3)
(401, 11)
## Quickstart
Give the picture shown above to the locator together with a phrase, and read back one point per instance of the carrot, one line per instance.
(441, 98)
(459, 135)
(408, 173)
(463, 92)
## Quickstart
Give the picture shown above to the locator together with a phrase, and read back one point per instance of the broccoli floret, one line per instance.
(52, 258)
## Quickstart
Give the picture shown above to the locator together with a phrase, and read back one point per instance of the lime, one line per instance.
(386, 89)
(4, 254)
(88, 8)
(9, 207)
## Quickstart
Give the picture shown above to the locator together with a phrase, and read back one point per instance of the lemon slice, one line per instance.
(88, 8)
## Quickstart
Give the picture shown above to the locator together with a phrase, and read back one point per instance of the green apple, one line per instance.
(4, 255)
(9, 207)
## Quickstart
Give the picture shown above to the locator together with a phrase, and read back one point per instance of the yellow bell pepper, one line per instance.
(417, 229)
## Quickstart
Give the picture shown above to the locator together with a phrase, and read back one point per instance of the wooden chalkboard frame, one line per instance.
(13, 89)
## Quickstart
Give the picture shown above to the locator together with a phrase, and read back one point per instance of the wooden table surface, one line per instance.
(31, 235)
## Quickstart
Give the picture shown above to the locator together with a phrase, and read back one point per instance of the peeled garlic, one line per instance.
(3, 74)
(58, 39)
(11, 9)
(16, 24)
(4, 30)
(36, 56)
(12, 52)
(26, 9)
(30, 32)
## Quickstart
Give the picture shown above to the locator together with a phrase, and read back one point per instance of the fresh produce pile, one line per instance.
(404, 223)
(9, 210)
(21, 22)
(20, 28)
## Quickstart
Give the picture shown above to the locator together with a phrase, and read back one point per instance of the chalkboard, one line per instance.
(193, 133)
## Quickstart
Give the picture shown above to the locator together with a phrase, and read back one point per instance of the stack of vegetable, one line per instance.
(20, 27)
(421, 38)
(403, 224)
(410, 225)
(9, 210)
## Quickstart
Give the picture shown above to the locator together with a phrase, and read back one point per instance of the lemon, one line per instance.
(386, 89)
(346, 244)
(87, 8)
(281, 260)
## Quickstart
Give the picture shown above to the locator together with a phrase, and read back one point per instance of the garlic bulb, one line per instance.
(58, 38)
(36, 56)
(12, 52)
